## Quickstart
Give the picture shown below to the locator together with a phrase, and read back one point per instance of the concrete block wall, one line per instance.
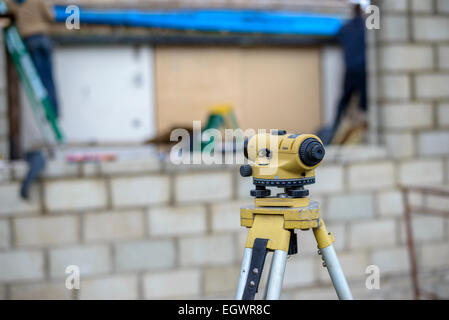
(414, 76)
(147, 229)
(173, 232)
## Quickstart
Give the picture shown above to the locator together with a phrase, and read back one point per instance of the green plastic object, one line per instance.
(220, 116)
(35, 90)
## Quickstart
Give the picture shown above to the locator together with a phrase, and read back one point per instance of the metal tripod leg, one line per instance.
(246, 262)
(325, 240)
(268, 280)
(276, 277)
(336, 273)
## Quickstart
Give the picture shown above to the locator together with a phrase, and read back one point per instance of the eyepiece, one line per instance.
(311, 152)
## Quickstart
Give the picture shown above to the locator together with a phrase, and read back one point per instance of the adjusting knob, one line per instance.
(260, 193)
(246, 170)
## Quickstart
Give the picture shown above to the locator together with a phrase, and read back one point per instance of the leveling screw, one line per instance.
(252, 284)
(255, 271)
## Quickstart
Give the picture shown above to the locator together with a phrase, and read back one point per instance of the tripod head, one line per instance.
(282, 160)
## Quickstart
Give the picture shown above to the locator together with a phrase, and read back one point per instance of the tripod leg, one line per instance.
(336, 273)
(268, 280)
(325, 240)
(246, 262)
(276, 277)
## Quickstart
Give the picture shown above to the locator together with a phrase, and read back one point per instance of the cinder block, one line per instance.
(399, 145)
(395, 87)
(328, 179)
(116, 287)
(442, 6)
(353, 263)
(371, 176)
(221, 279)
(172, 284)
(113, 225)
(226, 216)
(390, 203)
(198, 251)
(60, 168)
(21, 266)
(138, 165)
(90, 259)
(394, 28)
(443, 115)
(4, 234)
(140, 190)
(421, 171)
(300, 271)
(349, 207)
(406, 57)
(19, 169)
(40, 291)
(176, 220)
(422, 6)
(432, 86)
(433, 143)
(42, 231)
(434, 255)
(391, 260)
(12, 204)
(244, 186)
(437, 202)
(75, 194)
(425, 228)
(144, 255)
(443, 57)
(406, 116)
(394, 6)
(5, 174)
(431, 28)
(373, 233)
(205, 186)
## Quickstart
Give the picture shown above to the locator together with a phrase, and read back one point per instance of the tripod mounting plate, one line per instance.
(281, 202)
(275, 223)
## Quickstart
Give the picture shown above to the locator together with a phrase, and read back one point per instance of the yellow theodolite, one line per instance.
(286, 161)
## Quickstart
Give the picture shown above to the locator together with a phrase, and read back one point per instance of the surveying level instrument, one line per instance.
(285, 161)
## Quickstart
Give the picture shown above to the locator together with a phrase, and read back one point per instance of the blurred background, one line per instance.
(85, 176)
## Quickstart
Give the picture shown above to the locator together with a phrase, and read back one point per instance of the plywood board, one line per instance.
(269, 87)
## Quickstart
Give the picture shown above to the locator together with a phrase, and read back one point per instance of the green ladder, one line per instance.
(35, 90)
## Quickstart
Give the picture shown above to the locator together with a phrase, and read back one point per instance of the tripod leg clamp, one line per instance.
(255, 270)
(322, 236)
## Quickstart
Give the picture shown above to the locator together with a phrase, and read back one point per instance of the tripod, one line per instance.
(272, 222)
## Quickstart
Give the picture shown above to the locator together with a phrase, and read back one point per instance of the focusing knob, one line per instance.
(311, 152)
(246, 170)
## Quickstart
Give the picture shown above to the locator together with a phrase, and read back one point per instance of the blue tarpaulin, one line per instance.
(223, 20)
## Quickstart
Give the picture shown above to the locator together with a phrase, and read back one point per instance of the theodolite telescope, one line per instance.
(286, 161)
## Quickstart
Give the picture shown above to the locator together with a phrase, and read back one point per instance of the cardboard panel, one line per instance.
(268, 87)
